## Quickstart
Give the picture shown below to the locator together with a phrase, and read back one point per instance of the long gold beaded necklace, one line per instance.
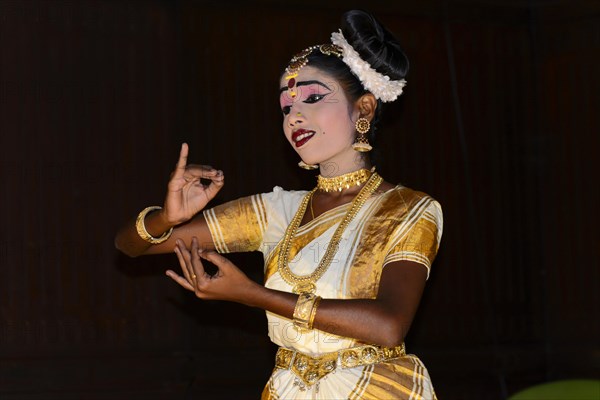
(307, 283)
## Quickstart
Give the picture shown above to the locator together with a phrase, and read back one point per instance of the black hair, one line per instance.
(375, 45)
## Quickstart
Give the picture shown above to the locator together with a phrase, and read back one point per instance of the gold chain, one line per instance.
(307, 283)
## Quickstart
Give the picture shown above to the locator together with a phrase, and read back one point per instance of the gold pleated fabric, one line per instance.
(405, 378)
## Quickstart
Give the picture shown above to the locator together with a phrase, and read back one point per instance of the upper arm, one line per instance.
(234, 226)
(400, 291)
(406, 267)
(418, 237)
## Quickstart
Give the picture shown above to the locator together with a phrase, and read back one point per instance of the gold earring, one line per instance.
(304, 165)
(362, 143)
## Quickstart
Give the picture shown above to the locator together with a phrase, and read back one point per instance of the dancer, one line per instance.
(346, 262)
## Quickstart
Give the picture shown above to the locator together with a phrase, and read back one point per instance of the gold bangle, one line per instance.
(141, 227)
(313, 312)
(303, 310)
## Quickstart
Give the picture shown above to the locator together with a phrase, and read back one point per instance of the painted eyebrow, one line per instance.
(305, 83)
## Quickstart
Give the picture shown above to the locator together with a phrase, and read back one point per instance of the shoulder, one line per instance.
(283, 201)
(407, 196)
(404, 201)
(278, 194)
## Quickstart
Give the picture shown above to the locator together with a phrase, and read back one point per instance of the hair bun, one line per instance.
(375, 44)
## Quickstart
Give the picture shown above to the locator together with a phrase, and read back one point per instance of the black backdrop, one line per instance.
(498, 122)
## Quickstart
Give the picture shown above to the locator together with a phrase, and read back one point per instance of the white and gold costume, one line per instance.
(399, 224)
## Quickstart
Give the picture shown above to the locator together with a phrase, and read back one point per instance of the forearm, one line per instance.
(129, 241)
(383, 321)
(368, 320)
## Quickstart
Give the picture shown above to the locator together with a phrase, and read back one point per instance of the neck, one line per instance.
(333, 169)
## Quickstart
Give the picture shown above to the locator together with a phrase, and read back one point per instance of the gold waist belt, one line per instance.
(311, 369)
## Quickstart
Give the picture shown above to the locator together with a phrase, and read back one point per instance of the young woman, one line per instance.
(346, 262)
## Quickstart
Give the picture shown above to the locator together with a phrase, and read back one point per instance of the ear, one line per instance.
(366, 106)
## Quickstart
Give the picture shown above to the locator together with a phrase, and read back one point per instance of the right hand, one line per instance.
(187, 195)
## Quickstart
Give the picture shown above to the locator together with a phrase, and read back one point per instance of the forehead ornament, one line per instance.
(300, 60)
(380, 85)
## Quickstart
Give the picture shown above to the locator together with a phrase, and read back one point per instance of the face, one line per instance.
(318, 121)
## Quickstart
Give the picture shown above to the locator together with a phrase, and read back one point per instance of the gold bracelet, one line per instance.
(303, 310)
(313, 312)
(141, 227)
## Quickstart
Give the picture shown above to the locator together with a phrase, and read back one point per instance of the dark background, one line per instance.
(499, 122)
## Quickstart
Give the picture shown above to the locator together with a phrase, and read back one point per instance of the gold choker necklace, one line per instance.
(339, 183)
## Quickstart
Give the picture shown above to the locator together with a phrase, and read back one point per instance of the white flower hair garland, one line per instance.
(380, 85)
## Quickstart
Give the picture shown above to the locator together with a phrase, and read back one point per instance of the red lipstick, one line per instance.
(302, 136)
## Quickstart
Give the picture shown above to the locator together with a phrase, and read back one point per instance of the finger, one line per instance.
(215, 258)
(180, 280)
(182, 161)
(202, 167)
(219, 177)
(201, 171)
(215, 185)
(183, 255)
(197, 267)
(195, 174)
(182, 263)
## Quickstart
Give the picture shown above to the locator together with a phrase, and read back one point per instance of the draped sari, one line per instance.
(399, 224)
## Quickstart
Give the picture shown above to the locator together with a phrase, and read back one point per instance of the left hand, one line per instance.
(228, 283)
